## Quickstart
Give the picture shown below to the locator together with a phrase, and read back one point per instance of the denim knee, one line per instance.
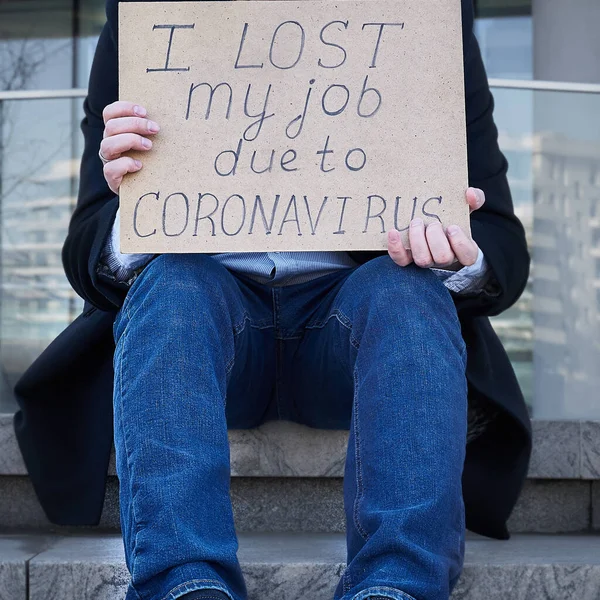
(181, 273)
(385, 302)
(387, 285)
(175, 288)
(184, 270)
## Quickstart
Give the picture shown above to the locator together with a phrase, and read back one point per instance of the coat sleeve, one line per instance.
(97, 206)
(495, 228)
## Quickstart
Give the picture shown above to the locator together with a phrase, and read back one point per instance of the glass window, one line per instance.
(506, 46)
(501, 8)
(551, 140)
(504, 30)
(46, 44)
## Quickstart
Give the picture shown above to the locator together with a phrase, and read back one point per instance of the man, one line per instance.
(377, 343)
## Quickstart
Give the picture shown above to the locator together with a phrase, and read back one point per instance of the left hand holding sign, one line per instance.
(431, 246)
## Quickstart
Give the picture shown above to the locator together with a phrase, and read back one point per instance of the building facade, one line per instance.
(550, 134)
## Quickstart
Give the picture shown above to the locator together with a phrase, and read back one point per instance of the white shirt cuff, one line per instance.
(472, 278)
(122, 266)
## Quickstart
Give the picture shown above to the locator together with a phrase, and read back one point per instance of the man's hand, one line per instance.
(431, 246)
(125, 128)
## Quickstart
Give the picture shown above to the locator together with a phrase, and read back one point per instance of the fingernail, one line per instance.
(416, 222)
(153, 127)
(140, 111)
(146, 143)
(138, 163)
(480, 198)
(394, 236)
(453, 230)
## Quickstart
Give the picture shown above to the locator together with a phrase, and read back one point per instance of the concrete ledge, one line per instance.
(13, 569)
(562, 450)
(300, 566)
(596, 505)
(303, 504)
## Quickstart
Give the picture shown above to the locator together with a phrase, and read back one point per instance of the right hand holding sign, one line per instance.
(125, 128)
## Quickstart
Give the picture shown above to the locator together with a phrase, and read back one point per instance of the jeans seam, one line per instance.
(128, 302)
(229, 365)
(382, 591)
(132, 290)
(126, 309)
(262, 324)
(336, 312)
(124, 339)
(346, 583)
(342, 319)
(278, 375)
(278, 351)
(359, 476)
(216, 586)
(237, 330)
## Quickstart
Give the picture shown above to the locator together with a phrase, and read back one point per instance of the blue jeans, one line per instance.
(375, 349)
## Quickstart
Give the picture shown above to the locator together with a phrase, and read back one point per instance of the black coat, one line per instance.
(64, 425)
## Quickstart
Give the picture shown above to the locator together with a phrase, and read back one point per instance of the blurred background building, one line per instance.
(543, 59)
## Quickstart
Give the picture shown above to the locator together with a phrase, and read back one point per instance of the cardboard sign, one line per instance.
(313, 125)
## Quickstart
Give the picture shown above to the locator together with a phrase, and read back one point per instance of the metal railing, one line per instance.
(515, 84)
(545, 86)
(43, 94)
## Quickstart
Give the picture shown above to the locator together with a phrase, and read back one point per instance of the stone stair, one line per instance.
(286, 491)
(302, 566)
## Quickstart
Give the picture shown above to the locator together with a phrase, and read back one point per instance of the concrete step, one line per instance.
(561, 450)
(286, 477)
(316, 505)
(302, 566)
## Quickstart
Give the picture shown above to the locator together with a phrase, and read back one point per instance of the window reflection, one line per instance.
(43, 45)
(551, 141)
